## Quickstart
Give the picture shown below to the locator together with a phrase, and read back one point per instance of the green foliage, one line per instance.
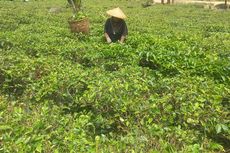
(77, 13)
(165, 90)
(79, 16)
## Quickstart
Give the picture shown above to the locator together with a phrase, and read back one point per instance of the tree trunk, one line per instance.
(76, 4)
(73, 3)
(162, 1)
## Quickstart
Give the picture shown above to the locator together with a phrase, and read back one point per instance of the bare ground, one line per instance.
(195, 2)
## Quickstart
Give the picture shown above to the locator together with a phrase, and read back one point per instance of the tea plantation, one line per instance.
(167, 89)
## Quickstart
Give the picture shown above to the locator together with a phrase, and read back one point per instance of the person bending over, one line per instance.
(115, 28)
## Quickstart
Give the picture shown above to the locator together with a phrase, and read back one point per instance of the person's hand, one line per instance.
(108, 40)
(121, 42)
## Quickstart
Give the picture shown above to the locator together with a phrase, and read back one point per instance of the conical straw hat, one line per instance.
(117, 12)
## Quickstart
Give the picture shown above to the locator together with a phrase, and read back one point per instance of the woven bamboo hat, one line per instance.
(116, 12)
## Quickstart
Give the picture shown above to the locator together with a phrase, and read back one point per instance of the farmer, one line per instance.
(115, 27)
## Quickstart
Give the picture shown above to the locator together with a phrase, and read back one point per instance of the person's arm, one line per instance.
(106, 29)
(107, 38)
(122, 39)
(124, 33)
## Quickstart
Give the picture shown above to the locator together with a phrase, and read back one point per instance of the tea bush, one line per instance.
(165, 90)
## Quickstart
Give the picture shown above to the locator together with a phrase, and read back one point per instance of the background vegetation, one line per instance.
(167, 89)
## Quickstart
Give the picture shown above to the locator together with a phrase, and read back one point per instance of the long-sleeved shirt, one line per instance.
(115, 30)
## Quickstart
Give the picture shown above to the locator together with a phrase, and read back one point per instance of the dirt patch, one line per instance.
(221, 6)
(55, 10)
(206, 4)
